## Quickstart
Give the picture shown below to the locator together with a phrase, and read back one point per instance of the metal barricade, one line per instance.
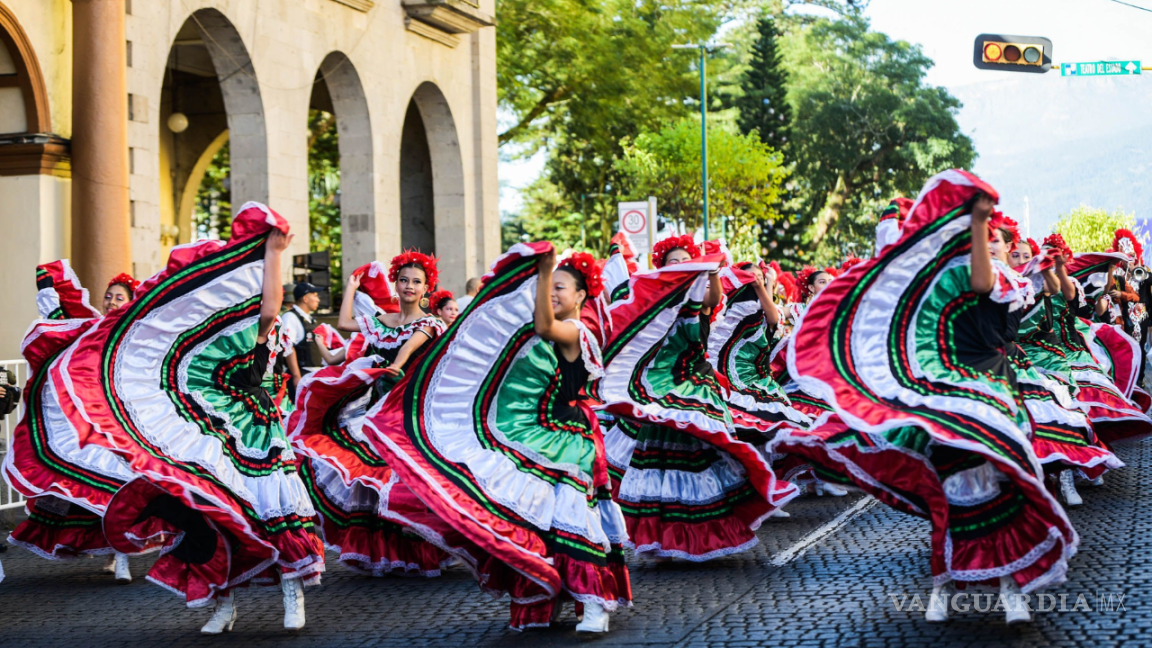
(9, 497)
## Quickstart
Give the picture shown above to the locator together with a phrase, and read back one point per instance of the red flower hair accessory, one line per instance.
(437, 299)
(426, 263)
(1125, 241)
(1035, 247)
(587, 266)
(788, 283)
(126, 280)
(850, 263)
(661, 249)
(1057, 241)
(1000, 221)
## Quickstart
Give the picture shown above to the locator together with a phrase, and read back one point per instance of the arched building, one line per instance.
(91, 170)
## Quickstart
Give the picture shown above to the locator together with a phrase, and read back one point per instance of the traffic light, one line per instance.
(316, 269)
(1012, 53)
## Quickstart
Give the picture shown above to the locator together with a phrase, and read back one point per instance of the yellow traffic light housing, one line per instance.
(1012, 53)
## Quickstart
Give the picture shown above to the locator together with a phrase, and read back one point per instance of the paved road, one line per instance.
(788, 591)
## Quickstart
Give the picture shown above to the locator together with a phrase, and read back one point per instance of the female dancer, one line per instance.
(929, 395)
(444, 306)
(367, 514)
(1062, 436)
(172, 381)
(490, 429)
(688, 487)
(69, 525)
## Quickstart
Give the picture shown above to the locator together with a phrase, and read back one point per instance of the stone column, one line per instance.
(101, 223)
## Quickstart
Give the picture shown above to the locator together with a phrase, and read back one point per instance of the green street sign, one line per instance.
(1101, 68)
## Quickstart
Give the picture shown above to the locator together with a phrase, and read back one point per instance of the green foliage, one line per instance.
(546, 217)
(324, 189)
(865, 128)
(744, 177)
(212, 215)
(1088, 229)
(763, 107)
(581, 76)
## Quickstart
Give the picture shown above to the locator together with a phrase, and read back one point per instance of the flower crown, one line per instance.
(850, 263)
(427, 263)
(437, 299)
(1000, 221)
(661, 249)
(787, 283)
(1057, 241)
(126, 280)
(807, 273)
(587, 266)
(1125, 241)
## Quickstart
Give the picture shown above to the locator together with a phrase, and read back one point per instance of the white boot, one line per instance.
(781, 513)
(595, 619)
(938, 603)
(1068, 489)
(834, 490)
(120, 562)
(1015, 611)
(223, 616)
(293, 590)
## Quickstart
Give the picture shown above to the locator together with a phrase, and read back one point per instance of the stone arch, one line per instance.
(357, 191)
(210, 77)
(429, 114)
(25, 75)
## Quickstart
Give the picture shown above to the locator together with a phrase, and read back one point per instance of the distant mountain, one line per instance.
(1061, 142)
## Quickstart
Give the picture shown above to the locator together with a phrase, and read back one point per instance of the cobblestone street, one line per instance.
(824, 577)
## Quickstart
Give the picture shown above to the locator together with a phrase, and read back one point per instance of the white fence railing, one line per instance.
(9, 497)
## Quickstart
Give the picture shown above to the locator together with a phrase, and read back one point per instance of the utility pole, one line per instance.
(703, 47)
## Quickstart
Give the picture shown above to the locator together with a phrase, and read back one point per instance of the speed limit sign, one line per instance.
(634, 223)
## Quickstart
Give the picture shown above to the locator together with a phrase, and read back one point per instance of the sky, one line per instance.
(1019, 119)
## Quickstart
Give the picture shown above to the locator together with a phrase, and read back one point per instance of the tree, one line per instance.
(764, 107)
(865, 127)
(1088, 229)
(212, 215)
(324, 232)
(545, 217)
(591, 62)
(744, 177)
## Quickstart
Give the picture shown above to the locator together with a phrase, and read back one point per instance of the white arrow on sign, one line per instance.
(1131, 67)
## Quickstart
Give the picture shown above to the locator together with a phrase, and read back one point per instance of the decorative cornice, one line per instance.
(447, 16)
(430, 32)
(35, 154)
(358, 5)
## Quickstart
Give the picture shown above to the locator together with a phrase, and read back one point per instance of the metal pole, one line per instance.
(704, 135)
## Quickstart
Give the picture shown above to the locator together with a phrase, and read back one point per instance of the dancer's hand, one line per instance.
(982, 208)
(279, 241)
(547, 260)
(353, 284)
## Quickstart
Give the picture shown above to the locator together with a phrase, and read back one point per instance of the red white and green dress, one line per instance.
(1062, 435)
(368, 514)
(917, 366)
(68, 476)
(173, 381)
(689, 487)
(491, 431)
(740, 350)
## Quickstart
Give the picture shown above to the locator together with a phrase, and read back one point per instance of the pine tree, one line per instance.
(764, 108)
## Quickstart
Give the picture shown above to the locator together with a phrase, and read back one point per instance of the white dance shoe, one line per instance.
(223, 616)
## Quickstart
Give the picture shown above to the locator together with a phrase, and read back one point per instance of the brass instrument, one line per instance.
(1140, 274)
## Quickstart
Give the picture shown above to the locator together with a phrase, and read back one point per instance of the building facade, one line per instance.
(94, 167)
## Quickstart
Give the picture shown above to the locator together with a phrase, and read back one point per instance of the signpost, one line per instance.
(1101, 68)
(637, 222)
